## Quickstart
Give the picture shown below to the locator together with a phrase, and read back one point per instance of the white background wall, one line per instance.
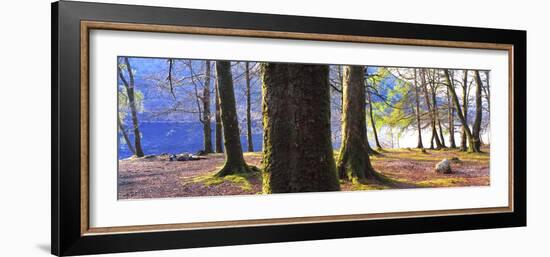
(25, 128)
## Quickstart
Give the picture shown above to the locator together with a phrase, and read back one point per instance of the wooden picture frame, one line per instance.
(71, 24)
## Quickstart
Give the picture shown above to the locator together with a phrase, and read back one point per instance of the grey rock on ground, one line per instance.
(184, 157)
(443, 166)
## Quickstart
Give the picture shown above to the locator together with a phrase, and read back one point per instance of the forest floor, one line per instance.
(156, 177)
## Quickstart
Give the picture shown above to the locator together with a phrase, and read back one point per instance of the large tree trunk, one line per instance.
(435, 108)
(248, 105)
(463, 138)
(459, 112)
(279, 150)
(488, 92)
(129, 85)
(417, 101)
(125, 135)
(451, 119)
(297, 154)
(430, 111)
(488, 98)
(442, 138)
(316, 168)
(436, 115)
(371, 151)
(234, 160)
(219, 132)
(476, 129)
(353, 160)
(372, 122)
(341, 78)
(207, 130)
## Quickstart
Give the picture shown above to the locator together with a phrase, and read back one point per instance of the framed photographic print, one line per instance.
(178, 128)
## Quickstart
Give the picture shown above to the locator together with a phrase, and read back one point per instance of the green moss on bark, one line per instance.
(234, 161)
(353, 159)
(297, 145)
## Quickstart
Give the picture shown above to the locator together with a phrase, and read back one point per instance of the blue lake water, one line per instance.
(171, 137)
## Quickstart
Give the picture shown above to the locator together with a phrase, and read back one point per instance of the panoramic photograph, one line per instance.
(190, 127)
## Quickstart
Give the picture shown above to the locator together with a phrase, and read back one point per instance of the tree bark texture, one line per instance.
(125, 135)
(353, 161)
(417, 101)
(219, 131)
(207, 130)
(297, 153)
(451, 111)
(234, 160)
(248, 107)
(463, 138)
(476, 128)
(438, 120)
(372, 122)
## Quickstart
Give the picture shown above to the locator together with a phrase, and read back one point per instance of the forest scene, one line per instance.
(211, 128)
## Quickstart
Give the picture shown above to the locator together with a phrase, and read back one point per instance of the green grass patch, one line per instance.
(474, 156)
(441, 182)
(356, 186)
(382, 182)
(430, 155)
(240, 180)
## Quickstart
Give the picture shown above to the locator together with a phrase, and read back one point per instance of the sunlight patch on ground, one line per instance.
(240, 180)
(429, 155)
(362, 187)
(442, 182)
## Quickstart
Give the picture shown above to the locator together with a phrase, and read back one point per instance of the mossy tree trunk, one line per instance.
(459, 113)
(297, 154)
(353, 160)
(436, 114)
(476, 129)
(279, 151)
(430, 111)
(370, 150)
(373, 123)
(207, 130)
(130, 92)
(248, 107)
(487, 91)
(234, 160)
(463, 138)
(125, 136)
(218, 131)
(442, 138)
(451, 112)
(316, 169)
(435, 109)
(417, 102)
